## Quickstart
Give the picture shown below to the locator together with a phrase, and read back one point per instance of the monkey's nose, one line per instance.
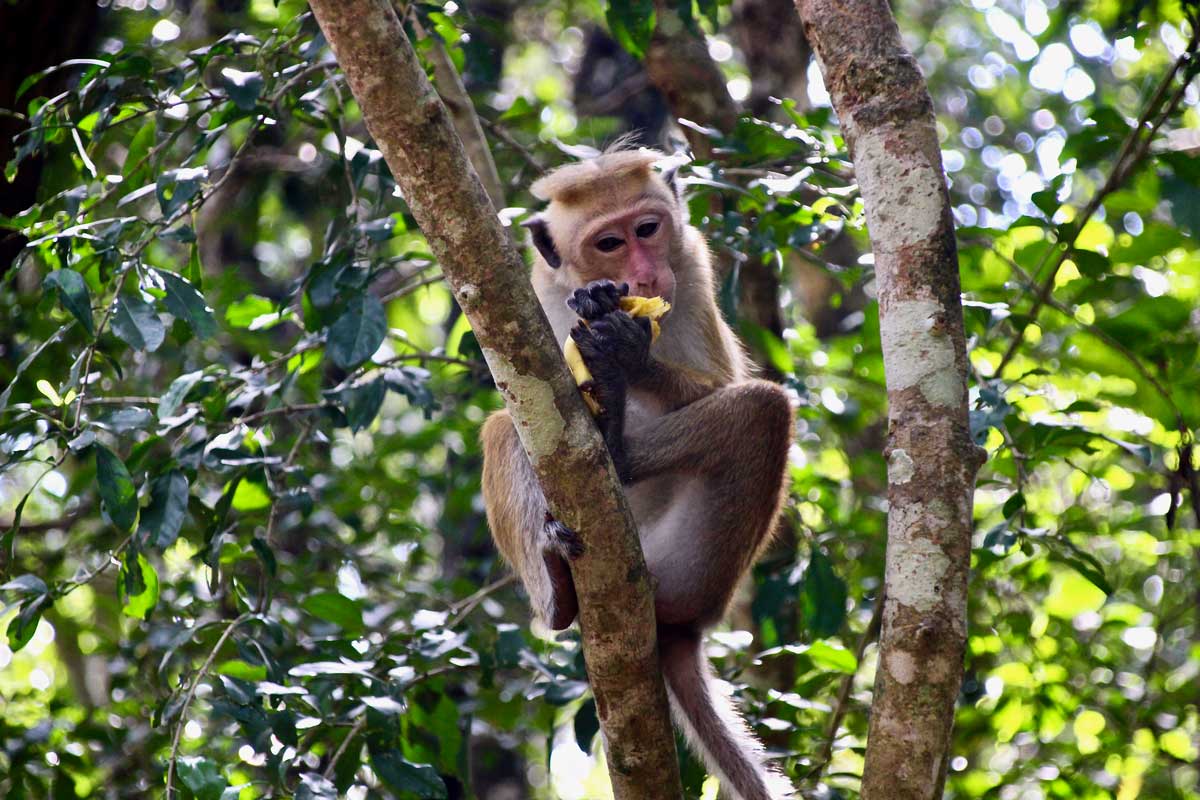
(641, 289)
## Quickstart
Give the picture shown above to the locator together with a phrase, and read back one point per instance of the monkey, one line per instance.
(701, 447)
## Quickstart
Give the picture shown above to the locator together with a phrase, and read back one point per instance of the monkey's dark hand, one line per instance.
(601, 345)
(627, 339)
(597, 299)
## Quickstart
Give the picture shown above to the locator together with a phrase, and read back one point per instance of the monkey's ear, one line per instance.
(540, 234)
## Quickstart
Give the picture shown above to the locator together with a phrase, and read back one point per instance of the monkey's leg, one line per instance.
(730, 450)
(530, 539)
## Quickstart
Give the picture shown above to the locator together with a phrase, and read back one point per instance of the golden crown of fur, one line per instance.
(613, 165)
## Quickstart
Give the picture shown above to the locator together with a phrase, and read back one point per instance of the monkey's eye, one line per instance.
(647, 229)
(608, 244)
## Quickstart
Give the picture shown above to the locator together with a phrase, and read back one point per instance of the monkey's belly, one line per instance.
(671, 511)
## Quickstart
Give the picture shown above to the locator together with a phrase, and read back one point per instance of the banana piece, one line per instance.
(653, 307)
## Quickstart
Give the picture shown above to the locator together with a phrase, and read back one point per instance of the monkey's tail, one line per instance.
(704, 711)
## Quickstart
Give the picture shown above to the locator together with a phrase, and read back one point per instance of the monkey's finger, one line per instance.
(605, 294)
(581, 303)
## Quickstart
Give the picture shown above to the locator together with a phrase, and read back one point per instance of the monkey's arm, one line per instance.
(674, 385)
(530, 539)
(750, 418)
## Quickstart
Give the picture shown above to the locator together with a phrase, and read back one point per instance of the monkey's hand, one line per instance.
(597, 299)
(625, 341)
(616, 350)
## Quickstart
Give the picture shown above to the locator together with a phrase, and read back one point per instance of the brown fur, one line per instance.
(706, 449)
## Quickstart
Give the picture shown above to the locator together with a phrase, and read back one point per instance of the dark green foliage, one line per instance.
(239, 460)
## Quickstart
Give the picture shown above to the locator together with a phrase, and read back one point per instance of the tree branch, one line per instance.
(1133, 150)
(412, 129)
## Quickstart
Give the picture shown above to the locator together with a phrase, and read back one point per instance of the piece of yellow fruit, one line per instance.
(653, 307)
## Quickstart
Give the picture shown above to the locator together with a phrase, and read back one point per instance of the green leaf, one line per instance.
(335, 608)
(314, 787)
(175, 187)
(823, 597)
(832, 657)
(250, 496)
(241, 313)
(237, 668)
(176, 393)
(187, 304)
(194, 273)
(243, 87)
(139, 147)
(136, 323)
(769, 345)
(586, 725)
(118, 495)
(163, 518)
(137, 586)
(202, 777)
(362, 403)
(1014, 504)
(631, 23)
(73, 294)
(26, 584)
(421, 780)
(1071, 594)
(22, 627)
(124, 420)
(358, 332)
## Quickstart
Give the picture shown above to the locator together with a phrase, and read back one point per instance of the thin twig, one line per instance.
(410, 288)
(1132, 151)
(1104, 336)
(354, 731)
(191, 693)
(843, 698)
(498, 130)
(463, 608)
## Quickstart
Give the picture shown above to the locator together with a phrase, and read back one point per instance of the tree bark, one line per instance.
(680, 67)
(462, 114)
(887, 119)
(412, 129)
(772, 41)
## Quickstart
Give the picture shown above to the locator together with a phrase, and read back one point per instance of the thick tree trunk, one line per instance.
(772, 41)
(412, 128)
(462, 114)
(887, 119)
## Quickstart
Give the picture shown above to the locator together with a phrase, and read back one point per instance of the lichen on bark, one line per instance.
(886, 117)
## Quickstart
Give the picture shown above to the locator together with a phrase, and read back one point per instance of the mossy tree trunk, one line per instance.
(887, 119)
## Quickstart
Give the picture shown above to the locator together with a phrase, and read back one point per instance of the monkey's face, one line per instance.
(631, 246)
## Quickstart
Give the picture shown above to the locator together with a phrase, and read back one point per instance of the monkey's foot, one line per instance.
(563, 538)
(597, 299)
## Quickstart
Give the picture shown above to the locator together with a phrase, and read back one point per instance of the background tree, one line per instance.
(239, 477)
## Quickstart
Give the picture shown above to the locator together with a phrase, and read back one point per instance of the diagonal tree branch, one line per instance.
(1133, 151)
(412, 129)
